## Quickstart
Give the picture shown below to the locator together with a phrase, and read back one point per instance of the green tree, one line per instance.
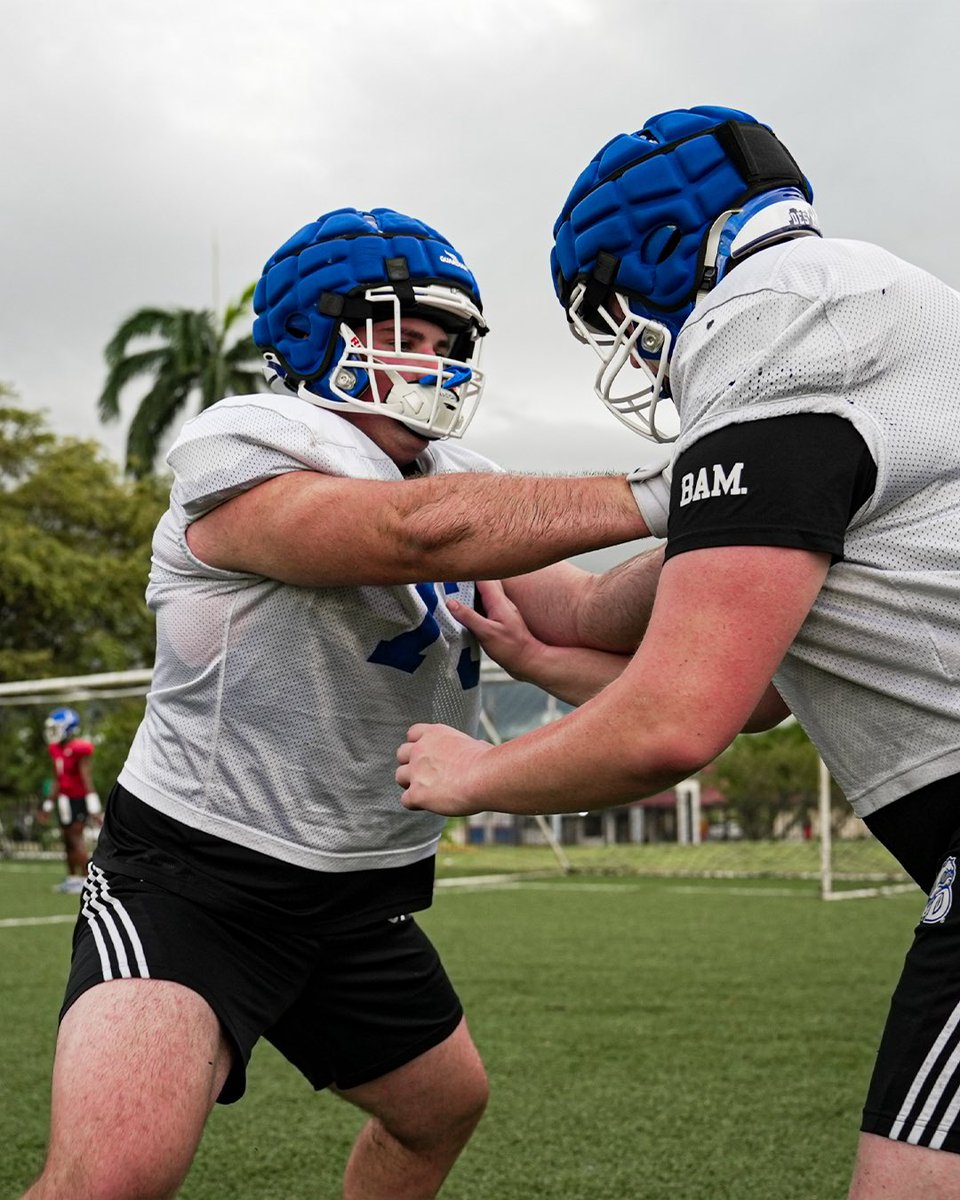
(769, 775)
(74, 558)
(189, 357)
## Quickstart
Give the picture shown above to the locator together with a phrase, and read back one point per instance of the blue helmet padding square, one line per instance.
(649, 199)
(343, 253)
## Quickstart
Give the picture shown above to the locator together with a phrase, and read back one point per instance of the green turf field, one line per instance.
(646, 1039)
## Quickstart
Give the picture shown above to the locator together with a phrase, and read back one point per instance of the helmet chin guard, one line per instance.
(433, 395)
(637, 341)
(321, 295)
(653, 223)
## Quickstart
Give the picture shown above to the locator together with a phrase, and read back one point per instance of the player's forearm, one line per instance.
(617, 748)
(495, 526)
(313, 530)
(769, 712)
(554, 770)
(564, 605)
(614, 608)
(572, 674)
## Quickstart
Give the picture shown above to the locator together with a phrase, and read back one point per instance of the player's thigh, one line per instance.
(247, 971)
(442, 1089)
(887, 1170)
(379, 1020)
(377, 998)
(145, 1060)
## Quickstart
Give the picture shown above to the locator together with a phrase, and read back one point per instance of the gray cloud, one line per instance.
(138, 137)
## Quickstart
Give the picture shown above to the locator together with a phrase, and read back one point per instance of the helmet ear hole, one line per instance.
(297, 325)
(659, 244)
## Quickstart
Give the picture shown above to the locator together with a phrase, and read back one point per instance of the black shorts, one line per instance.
(78, 812)
(344, 1007)
(914, 1095)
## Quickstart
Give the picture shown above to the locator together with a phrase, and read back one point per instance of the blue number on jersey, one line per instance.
(407, 650)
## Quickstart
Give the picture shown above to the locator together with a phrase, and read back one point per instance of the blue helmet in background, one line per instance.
(321, 294)
(61, 724)
(653, 223)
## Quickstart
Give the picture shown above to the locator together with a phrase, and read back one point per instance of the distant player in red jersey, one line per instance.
(73, 794)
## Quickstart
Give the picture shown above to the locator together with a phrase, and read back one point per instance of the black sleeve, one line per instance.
(784, 481)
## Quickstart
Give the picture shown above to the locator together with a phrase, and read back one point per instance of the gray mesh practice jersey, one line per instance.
(845, 328)
(275, 711)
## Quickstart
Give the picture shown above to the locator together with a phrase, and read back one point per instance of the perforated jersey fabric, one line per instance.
(275, 711)
(844, 327)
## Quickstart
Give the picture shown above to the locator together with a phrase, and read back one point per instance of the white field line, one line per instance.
(505, 883)
(18, 922)
(31, 868)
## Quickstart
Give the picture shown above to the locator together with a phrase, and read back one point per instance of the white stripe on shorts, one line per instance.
(99, 909)
(939, 1087)
(936, 1095)
(97, 937)
(946, 1123)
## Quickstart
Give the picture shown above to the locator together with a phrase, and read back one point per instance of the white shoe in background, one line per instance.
(72, 885)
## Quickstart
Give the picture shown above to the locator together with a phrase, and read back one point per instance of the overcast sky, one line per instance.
(139, 136)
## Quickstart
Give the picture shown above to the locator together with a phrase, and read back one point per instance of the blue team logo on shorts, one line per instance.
(941, 894)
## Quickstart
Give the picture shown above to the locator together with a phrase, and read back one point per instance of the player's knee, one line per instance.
(452, 1118)
(472, 1101)
(470, 1096)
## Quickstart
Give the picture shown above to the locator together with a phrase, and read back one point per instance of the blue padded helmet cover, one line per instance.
(646, 202)
(340, 255)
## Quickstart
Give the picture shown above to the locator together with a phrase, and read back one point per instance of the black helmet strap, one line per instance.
(760, 157)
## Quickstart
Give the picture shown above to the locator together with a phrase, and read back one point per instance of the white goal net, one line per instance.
(695, 829)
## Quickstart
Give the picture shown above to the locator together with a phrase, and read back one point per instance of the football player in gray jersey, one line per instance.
(256, 871)
(812, 553)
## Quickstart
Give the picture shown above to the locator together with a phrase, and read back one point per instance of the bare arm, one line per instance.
(317, 530)
(723, 619)
(570, 673)
(86, 774)
(567, 606)
(94, 810)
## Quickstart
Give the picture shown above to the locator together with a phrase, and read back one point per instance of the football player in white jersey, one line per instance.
(812, 552)
(256, 872)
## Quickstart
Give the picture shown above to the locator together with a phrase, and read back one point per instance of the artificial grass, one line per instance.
(645, 1038)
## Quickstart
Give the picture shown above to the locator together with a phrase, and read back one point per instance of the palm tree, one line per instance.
(192, 359)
